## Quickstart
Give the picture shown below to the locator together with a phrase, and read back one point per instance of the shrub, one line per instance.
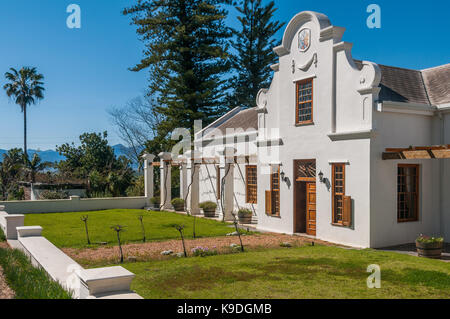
(100, 194)
(137, 188)
(208, 206)
(429, 240)
(155, 200)
(27, 281)
(49, 194)
(177, 202)
(16, 193)
(203, 252)
(2, 236)
(244, 212)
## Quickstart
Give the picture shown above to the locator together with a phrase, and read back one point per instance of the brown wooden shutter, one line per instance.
(347, 211)
(269, 202)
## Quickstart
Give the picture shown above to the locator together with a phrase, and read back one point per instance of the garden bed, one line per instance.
(67, 230)
(152, 251)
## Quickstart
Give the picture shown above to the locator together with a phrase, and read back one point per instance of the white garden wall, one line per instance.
(74, 204)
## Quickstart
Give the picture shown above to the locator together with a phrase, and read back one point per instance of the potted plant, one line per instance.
(429, 247)
(209, 209)
(245, 216)
(178, 204)
(154, 203)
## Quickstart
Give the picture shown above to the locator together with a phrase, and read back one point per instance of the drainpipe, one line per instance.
(441, 177)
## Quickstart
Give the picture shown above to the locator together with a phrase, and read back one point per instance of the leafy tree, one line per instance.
(94, 154)
(186, 55)
(26, 87)
(94, 161)
(253, 43)
(10, 171)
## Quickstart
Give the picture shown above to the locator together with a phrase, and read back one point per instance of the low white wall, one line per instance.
(36, 192)
(74, 204)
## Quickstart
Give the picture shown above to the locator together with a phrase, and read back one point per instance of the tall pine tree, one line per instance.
(186, 55)
(253, 43)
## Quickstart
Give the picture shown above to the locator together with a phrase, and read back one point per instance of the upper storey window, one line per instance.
(304, 103)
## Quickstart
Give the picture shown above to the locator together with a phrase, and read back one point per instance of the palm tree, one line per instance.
(26, 87)
(35, 165)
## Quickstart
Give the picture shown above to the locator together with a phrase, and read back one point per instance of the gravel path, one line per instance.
(152, 250)
(5, 291)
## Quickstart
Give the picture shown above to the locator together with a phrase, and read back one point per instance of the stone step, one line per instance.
(102, 282)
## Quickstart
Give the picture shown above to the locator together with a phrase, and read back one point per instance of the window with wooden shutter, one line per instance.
(218, 181)
(268, 202)
(347, 211)
(408, 193)
(251, 184)
(304, 103)
(338, 193)
(275, 189)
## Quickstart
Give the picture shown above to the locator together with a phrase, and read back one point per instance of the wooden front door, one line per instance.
(311, 209)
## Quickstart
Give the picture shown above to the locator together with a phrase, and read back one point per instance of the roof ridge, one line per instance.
(436, 67)
(426, 88)
(401, 68)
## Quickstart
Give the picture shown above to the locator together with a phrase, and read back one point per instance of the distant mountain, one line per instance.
(53, 156)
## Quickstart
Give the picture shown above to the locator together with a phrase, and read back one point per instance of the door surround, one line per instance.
(304, 175)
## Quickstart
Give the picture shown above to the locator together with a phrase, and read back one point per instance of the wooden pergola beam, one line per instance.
(417, 152)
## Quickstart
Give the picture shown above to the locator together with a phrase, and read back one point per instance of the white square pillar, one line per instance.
(184, 183)
(166, 180)
(227, 161)
(148, 177)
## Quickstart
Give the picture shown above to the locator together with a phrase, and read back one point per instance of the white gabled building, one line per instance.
(347, 151)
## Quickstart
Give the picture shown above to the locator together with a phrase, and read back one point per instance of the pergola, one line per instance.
(417, 152)
(189, 165)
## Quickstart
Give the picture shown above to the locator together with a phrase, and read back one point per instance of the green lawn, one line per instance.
(67, 229)
(295, 273)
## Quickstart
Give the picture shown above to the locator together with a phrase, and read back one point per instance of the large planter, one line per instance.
(245, 219)
(429, 250)
(178, 208)
(210, 213)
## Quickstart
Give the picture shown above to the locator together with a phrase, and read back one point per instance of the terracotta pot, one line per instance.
(209, 213)
(429, 250)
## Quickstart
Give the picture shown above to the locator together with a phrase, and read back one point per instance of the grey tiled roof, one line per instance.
(437, 82)
(246, 119)
(429, 86)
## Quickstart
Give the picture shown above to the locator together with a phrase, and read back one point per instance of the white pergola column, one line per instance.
(166, 178)
(227, 161)
(193, 179)
(184, 183)
(148, 177)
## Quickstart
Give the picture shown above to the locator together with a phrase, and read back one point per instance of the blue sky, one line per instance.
(86, 70)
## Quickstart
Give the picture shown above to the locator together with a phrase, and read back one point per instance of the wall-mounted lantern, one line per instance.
(321, 177)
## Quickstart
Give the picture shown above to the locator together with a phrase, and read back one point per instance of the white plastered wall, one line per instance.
(312, 141)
